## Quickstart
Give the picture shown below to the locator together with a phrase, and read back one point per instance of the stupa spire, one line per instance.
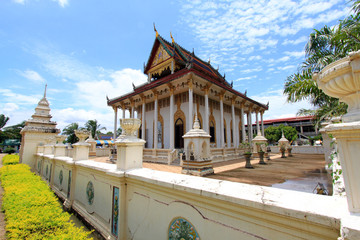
(45, 91)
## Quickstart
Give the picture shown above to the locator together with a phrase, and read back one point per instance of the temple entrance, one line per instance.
(179, 132)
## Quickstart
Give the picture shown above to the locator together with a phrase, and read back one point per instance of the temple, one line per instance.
(179, 85)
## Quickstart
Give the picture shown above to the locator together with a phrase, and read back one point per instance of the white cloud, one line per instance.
(62, 3)
(10, 107)
(301, 39)
(277, 104)
(286, 67)
(250, 70)
(32, 75)
(295, 54)
(19, 98)
(19, 1)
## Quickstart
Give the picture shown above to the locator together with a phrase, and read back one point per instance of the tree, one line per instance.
(94, 127)
(12, 132)
(69, 130)
(273, 134)
(3, 120)
(324, 47)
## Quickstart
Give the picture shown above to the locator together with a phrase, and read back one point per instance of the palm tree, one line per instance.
(69, 130)
(94, 128)
(3, 120)
(324, 47)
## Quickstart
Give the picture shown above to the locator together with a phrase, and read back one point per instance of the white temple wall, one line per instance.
(151, 200)
(30, 141)
(165, 113)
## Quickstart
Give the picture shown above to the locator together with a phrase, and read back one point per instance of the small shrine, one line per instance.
(197, 152)
(259, 144)
(36, 129)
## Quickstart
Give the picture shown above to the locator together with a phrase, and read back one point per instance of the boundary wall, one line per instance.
(148, 204)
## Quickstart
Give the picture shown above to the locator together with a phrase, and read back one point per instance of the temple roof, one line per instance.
(182, 62)
(184, 57)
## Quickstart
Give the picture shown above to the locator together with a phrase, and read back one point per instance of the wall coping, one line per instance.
(304, 206)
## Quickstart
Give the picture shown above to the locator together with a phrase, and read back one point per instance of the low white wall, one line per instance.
(149, 201)
(102, 152)
(301, 149)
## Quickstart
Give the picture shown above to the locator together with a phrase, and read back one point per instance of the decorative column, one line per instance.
(49, 146)
(129, 147)
(171, 118)
(60, 147)
(132, 110)
(123, 111)
(233, 122)
(248, 126)
(206, 117)
(143, 129)
(81, 148)
(257, 122)
(155, 121)
(251, 129)
(262, 123)
(222, 142)
(115, 121)
(190, 116)
(341, 79)
(242, 123)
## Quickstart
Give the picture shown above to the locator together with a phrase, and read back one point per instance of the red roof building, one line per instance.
(180, 85)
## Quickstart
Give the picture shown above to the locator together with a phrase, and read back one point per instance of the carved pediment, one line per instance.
(161, 55)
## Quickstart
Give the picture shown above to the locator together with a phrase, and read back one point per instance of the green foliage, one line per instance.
(246, 147)
(94, 128)
(31, 208)
(3, 120)
(10, 159)
(273, 134)
(69, 130)
(9, 150)
(12, 132)
(324, 47)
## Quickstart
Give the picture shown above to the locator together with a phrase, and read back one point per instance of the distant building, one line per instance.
(303, 124)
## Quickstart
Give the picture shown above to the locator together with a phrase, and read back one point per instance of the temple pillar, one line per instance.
(233, 123)
(123, 111)
(242, 123)
(262, 123)
(171, 118)
(143, 129)
(222, 142)
(191, 102)
(257, 122)
(206, 118)
(251, 129)
(248, 126)
(155, 121)
(132, 110)
(115, 121)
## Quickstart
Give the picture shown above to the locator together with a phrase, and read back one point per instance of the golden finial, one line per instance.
(157, 34)
(172, 39)
(209, 61)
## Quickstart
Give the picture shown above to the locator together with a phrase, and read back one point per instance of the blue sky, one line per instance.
(87, 49)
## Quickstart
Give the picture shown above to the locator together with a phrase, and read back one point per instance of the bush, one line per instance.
(31, 208)
(10, 159)
(9, 150)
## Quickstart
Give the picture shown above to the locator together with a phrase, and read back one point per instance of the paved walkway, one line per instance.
(277, 170)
